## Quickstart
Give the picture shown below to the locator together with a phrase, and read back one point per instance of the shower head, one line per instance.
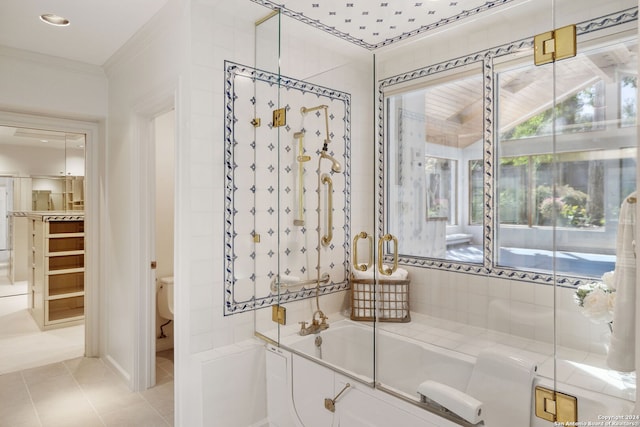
(335, 166)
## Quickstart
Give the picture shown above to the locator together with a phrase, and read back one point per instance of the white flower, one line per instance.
(596, 305)
(609, 280)
(596, 299)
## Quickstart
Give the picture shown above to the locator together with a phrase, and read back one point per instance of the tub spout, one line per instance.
(318, 323)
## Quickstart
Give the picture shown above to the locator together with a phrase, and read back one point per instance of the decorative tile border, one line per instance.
(258, 165)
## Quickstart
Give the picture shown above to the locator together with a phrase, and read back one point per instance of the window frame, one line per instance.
(491, 60)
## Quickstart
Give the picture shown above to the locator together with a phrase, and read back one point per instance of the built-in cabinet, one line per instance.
(56, 260)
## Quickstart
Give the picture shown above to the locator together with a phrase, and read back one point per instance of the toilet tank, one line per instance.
(165, 298)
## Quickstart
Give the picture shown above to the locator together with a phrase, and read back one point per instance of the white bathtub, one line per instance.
(402, 364)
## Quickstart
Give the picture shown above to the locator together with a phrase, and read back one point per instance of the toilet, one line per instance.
(165, 298)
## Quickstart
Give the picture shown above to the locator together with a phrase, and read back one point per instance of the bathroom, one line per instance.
(178, 60)
(466, 294)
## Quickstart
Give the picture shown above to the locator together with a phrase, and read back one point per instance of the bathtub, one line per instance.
(402, 364)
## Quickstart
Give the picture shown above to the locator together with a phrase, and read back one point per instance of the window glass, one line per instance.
(559, 197)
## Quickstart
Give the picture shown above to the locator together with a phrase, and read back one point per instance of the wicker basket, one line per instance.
(391, 303)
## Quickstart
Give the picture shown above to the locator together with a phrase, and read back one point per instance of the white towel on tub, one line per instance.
(621, 356)
(399, 274)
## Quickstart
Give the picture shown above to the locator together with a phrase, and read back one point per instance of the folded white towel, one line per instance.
(399, 274)
(460, 403)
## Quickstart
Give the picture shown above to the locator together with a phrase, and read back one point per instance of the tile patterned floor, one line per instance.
(84, 392)
(45, 381)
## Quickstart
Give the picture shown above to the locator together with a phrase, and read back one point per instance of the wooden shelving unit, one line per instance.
(56, 279)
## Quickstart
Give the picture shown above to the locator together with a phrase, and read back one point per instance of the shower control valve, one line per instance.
(303, 328)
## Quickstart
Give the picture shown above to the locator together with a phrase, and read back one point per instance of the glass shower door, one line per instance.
(530, 202)
(592, 207)
(308, 166)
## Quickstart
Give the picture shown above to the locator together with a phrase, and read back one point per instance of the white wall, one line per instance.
(51, 86)
(143, 82)
(180, 52)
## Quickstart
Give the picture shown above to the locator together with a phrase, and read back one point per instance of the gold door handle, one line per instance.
(326, 239)
(386, 271)
(362, 267)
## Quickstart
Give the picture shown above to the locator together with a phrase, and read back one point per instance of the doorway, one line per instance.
(162, 244)
(42, 175)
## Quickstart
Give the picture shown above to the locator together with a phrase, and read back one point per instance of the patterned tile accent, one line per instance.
(485, 58)
(375, 24)
(262, 188)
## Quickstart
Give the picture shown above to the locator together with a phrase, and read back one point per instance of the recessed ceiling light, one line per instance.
(53, 19)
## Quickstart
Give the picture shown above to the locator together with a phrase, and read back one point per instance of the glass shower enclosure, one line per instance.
(447, 209)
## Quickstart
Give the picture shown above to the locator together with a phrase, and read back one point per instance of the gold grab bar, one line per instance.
(362, 267)
(300, 158)
(386, 271)
(326, 239)
(275, 282)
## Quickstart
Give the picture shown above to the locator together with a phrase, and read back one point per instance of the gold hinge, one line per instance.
(256, 122)
(279, 314)
(555, 406)
(256, 238)
(279, 117)
(555, 45)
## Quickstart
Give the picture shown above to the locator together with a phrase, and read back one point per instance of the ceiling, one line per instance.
(375, 24)
(25, 137)
(98, 28)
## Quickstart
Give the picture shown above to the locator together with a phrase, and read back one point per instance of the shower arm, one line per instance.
(305, 110)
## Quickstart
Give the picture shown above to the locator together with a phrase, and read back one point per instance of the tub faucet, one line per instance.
(318, 323)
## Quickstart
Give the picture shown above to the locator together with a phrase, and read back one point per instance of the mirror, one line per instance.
(45, 169)
(433, 130)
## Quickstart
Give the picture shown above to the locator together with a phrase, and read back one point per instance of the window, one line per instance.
(562, 160)
(564, 168)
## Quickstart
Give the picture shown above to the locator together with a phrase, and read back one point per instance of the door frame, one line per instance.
(144, 375)
(94, 146)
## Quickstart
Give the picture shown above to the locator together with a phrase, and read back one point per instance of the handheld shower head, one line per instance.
(335, 166)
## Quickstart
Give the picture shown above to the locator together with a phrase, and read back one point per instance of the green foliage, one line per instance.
(575, 114)
(569, 206)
